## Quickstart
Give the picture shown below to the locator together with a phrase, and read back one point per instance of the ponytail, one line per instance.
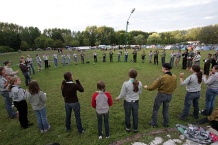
(133, 74)
(199, 75)
(135, 86)
(196, 68)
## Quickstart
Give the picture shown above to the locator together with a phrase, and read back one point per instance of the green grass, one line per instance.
(113, 74)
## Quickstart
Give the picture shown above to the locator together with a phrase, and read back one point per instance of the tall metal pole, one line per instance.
(127, 23)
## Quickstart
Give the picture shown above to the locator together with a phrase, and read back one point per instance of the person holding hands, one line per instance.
(193, 88)
(130, 91)
(101, 101)
(166, 85)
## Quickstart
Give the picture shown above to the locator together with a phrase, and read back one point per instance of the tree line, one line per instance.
(14, 37)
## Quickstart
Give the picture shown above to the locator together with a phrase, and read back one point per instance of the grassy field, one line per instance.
(113, 74)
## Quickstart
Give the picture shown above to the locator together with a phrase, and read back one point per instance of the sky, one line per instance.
(76, 15)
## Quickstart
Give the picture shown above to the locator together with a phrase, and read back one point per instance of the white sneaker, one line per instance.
(47, 129)
(107, 136)
(100, 137)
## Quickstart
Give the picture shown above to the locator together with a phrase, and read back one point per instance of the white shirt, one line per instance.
(127, 91)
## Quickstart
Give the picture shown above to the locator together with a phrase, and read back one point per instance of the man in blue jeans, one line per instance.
(166, 84)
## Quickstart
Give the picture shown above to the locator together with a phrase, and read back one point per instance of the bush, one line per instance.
(4, 49)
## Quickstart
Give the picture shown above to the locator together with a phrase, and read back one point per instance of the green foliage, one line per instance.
(12, 35)
(113, 74)
(154, 39)
(4, 49)
(24, 46)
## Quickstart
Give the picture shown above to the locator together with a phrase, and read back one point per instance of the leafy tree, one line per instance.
(24, 46)
(154, 39)
(140, 40)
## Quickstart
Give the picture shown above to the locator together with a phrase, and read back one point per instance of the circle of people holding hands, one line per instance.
(131, 89)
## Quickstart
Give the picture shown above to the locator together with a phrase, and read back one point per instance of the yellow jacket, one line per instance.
(165, 84)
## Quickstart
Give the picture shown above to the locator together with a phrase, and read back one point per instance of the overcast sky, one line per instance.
(76, 15)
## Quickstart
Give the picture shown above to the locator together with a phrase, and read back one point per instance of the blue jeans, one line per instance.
(68, 61)
(31, 67)
(191, 98)
(63, 61)
(106, 123)
(76, 110)
(126, 58)
(210, 101)
(118, 58)
(171, 61)
(55, 62)
(27, 78)
(42, 119)
(163, 60)
(131, 107)
(165, 99)
(8, 103)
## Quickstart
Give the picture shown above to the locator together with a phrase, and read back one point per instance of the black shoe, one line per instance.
(30, 124)
(128, 130)
(82, 131)
(166, 126)
(153, 125)
(182, 118)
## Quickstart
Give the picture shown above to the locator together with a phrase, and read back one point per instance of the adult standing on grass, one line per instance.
(68, 58)
(111, 55)
(211, 92)
(69, 91)
(130, 91)
(126, 56)
(134, 55)
(37, 99)
(143, 56)
(39, 62)
(163, 56)
(75, 58)
(207, 63)
(156, 53)
(8, 70)
(25, 71)
(82, 55)
(104, 56)
(95, 56)
(150, 56)
(29, 61)
(166, 85)
(172, 55)
(4, 82)
(55, 56)
(101, 101)
(189, 59)
(193, 88)
(197, 58)
(63, 57)
(178, 56)
(184, 60)
(45, 57)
